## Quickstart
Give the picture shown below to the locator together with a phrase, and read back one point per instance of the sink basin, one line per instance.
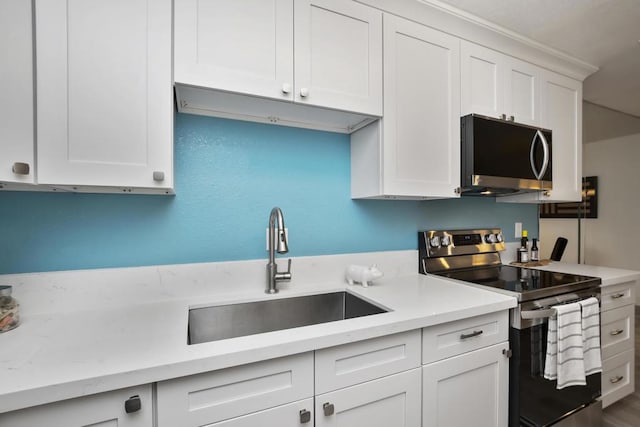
(236, 320)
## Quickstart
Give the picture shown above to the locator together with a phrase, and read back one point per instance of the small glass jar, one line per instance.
(9, 317)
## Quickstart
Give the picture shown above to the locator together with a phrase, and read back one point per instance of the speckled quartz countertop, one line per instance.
(90, 331)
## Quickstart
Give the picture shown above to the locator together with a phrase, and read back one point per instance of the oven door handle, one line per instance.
(537, 314)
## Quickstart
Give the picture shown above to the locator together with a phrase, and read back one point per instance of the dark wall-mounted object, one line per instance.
(587, 208)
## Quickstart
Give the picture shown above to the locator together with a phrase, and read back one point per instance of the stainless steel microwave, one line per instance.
(500, 157)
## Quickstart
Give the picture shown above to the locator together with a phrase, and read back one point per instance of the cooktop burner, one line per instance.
(473, 256)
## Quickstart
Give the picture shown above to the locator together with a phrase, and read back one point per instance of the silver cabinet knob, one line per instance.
(286, 88)
(304, 92)
(20, 168)
(158, 176)
(616, 379)
(328, 409)
(503, 116)
(305, 416)
(512, 119)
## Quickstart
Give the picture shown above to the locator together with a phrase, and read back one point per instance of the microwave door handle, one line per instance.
(545, 150)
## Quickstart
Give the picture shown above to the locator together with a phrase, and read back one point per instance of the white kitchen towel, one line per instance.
(565, 347)
(591, 335)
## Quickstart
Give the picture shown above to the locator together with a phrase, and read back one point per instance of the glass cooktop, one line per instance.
(525, 283)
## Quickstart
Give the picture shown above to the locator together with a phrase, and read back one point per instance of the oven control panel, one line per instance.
(437, 243)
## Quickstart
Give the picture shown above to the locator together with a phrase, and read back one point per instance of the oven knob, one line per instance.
(490, 238)
(445, 241)
(435, 242)
(499, 237)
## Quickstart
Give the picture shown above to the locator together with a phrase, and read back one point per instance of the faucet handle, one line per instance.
(284, 275)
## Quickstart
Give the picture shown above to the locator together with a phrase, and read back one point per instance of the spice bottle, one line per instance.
(9, 317)
(535, 253)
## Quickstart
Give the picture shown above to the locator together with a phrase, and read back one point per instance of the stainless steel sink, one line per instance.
(235, 320)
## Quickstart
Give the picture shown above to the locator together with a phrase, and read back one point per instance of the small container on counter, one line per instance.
(9, 317)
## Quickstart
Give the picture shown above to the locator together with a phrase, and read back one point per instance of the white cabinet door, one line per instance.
(482, 80)
(562, 113)
(415, 151)
(16, 86)
(104, 110)
(338, 55)
(499, 86)
(104, 409)
(296, 414)
(467, 390)
(389, 401)
(522, 91)
(240, 46)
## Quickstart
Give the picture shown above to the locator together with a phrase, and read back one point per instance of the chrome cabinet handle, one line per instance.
(545, 160)
(617, 332)
(503, 116)
(471, 335)
(305, 416)
(20, 168)
(512, 118)
(328, 409)
(304, 92)
(132, 404)
(616, 379)
(158, 176)
(616, 296)
(286, 88)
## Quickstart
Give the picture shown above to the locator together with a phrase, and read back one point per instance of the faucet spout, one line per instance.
(277, 242)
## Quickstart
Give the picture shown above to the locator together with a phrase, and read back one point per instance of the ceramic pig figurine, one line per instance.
(362, 275)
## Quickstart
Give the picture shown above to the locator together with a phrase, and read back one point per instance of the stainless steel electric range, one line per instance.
(473, 256)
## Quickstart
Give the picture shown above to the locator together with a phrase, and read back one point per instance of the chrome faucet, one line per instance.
(280, 245)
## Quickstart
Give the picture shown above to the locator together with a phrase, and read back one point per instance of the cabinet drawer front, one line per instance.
(103, 409)
(618, 295)
(392, 401)
(617, 377)
(354, 363)
(453, 338)
(617, 330)
(215, 396)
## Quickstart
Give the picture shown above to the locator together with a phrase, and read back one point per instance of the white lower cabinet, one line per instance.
(617, 332)
(389, 401)
(98, 410)
(467, 390)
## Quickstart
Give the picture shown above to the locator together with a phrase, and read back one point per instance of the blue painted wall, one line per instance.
(228, 176)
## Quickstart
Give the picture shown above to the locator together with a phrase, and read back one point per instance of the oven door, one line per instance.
(534, 400)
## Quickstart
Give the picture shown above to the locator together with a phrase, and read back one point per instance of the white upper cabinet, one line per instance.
(104, 97)
(16, 86)
(319, 53)
(500, 86)
(338, 55)
(414, 151)
(239, 46)
(561, 111)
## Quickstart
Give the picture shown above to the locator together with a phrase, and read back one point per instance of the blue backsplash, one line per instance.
(228, 176)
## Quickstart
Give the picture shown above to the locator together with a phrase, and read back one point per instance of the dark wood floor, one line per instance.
(626, 412)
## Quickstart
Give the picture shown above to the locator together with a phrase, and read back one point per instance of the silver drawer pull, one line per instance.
(617, 332)
(616, 296)
(616, 379)
(471, 335)
(328, 409)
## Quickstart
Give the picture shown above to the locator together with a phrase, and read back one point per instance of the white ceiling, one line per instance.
(604, 33)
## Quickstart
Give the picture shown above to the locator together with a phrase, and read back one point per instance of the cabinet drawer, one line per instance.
(392, 401)
(453, 338)
(618, 295)
(290, 415)
(617, 377)
(354, 363)
(103, 409)
(211, 397)
(617, 330)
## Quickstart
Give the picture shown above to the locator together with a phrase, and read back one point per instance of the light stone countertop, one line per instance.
(130, 328)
